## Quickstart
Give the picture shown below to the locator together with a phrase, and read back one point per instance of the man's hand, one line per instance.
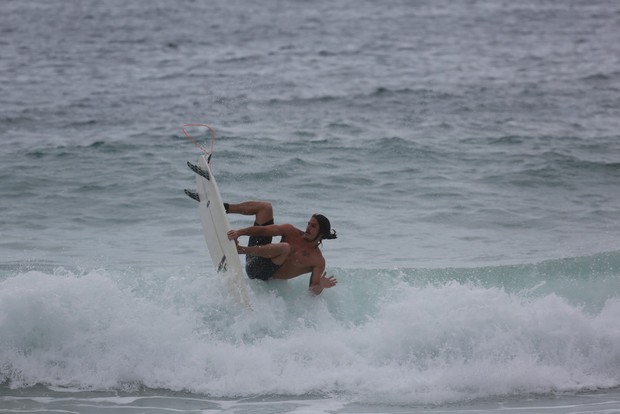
(233, 235)
(327, 282)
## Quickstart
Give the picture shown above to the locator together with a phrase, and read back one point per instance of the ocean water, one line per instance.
(467, 153)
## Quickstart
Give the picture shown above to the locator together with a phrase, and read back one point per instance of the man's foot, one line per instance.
(198, 170)
(192, 194)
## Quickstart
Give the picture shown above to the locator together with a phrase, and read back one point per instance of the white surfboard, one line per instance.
(215, 225)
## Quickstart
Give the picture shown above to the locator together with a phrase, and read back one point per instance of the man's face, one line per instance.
(312, 229)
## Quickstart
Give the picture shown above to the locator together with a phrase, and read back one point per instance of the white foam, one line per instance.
(425, 344)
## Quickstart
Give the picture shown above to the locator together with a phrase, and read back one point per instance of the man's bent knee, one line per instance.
(264, 213)
(284, 249)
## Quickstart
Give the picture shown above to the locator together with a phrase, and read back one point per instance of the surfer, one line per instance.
(297, 253)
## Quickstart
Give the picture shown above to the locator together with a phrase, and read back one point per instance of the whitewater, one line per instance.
(393, 337)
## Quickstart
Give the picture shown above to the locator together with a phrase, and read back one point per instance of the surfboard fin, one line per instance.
(198, 170)
(192, 194)
(222, 266)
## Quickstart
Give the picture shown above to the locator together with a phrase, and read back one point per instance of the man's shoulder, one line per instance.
(317, 256)
(320, 259)
(288, 228)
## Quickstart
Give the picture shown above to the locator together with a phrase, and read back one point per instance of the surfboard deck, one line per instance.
(215, 227)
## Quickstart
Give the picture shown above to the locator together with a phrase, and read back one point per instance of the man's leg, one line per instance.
(262, 210)
(261, 246)
(277, 252)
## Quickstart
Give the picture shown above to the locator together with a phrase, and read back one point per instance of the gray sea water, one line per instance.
(467, 153)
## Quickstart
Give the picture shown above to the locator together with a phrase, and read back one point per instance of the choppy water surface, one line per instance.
(467, 153)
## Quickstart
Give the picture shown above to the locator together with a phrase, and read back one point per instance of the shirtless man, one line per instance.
(297, 253)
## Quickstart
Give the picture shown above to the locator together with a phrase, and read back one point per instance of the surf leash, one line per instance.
(208, 153)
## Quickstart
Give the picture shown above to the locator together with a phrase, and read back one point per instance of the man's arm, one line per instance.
(271, 231)
(319, 279)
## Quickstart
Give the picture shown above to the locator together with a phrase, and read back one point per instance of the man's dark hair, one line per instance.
(325, 228)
